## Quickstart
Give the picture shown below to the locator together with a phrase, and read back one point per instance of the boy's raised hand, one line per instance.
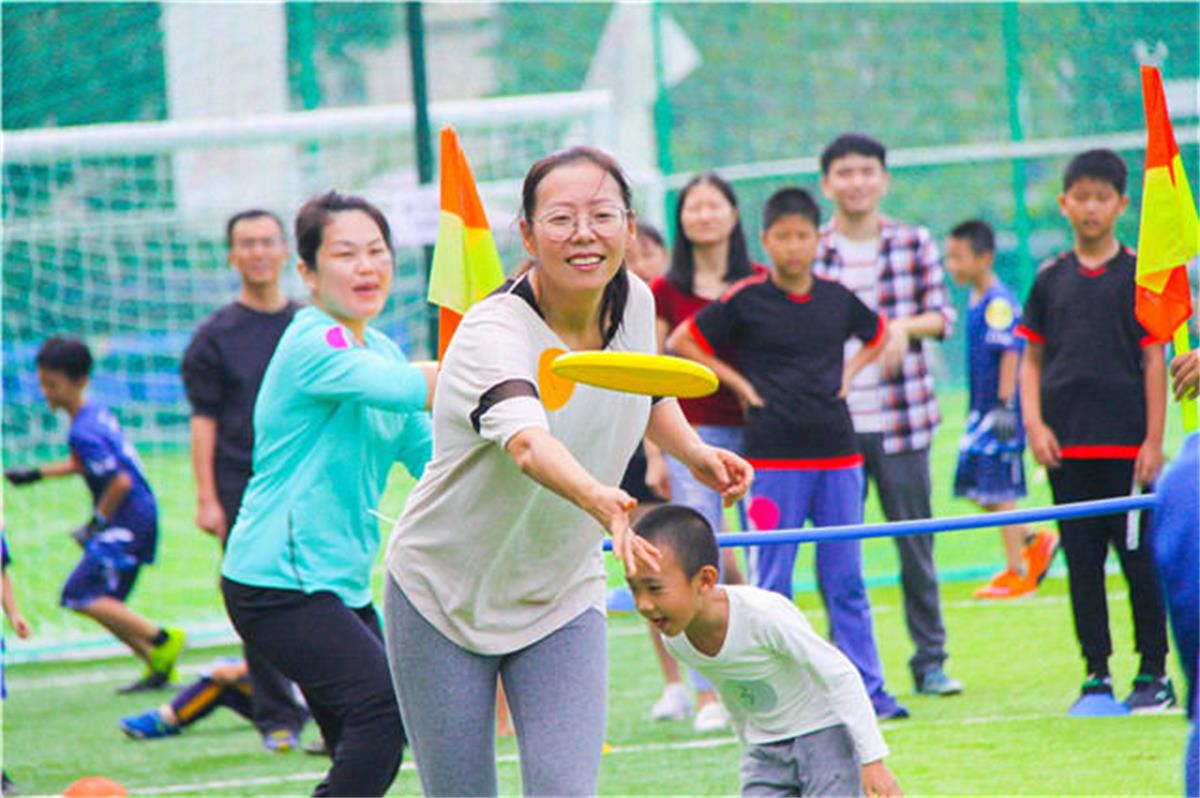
(878, 780)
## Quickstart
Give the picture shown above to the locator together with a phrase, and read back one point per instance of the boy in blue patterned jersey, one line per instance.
(990, 468)
(122, 532)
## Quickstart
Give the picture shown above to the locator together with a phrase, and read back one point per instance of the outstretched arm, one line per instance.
(719, 469)
(544, 459)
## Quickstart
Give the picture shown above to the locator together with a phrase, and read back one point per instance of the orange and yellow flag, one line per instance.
(466, 265)
(1169, 235)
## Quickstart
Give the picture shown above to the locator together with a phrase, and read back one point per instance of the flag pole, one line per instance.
(1187, 407)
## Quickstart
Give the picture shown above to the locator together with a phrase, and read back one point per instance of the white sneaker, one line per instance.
(673, 704)
(710, 718)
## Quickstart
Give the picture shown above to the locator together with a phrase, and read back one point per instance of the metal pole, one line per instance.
(662, 113)
(305, 33)
(1012, 73)
(1120, 505)
(424, 135)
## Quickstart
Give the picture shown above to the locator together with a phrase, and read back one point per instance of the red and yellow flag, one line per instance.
(466, 265)
(1169, 235)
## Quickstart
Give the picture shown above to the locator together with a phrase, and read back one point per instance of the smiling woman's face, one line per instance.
(586, 196)
(354, 268)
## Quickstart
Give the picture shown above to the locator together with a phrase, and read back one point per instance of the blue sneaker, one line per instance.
(935, 682)
(888, 708)
(280, 741)
(147, 726)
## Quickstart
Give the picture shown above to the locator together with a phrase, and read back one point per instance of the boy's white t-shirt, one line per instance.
(779, 679)
(493, 560)
(860, 273)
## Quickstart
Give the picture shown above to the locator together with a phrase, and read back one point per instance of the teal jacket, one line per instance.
(331, 418)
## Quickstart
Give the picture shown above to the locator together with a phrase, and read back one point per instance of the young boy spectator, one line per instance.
(797, 705)
(894, 268)
(788, 331)
(122, 533)
(1093, 393)
(990, 468)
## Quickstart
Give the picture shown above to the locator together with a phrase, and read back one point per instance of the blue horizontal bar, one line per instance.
(895, 529)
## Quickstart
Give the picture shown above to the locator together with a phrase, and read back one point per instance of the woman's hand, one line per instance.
(611, 507)
(721, 470)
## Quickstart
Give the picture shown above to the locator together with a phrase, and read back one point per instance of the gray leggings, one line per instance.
(557, 690)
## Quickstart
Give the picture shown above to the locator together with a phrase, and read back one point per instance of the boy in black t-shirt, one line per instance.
(789, 331)
(1093, 394)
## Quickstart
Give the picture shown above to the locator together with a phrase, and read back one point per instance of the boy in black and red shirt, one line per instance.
(1093, 394)
(788, 331)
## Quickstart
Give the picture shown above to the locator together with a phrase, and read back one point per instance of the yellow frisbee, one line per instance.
(637, 372)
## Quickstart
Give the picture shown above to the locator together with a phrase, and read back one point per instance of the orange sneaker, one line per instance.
(1038, 554)
(1006, 585)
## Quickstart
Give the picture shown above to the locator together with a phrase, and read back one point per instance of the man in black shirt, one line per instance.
(222, 371)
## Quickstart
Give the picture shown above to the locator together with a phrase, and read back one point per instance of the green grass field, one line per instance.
(1007, 735)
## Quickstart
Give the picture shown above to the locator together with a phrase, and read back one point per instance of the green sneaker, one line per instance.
(164, 656)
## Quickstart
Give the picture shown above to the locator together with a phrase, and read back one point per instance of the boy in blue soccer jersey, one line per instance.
(990, 468)
(788, 330)
(122, 533)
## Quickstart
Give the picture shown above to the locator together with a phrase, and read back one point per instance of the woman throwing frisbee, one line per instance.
(339, 405)
(495, 566)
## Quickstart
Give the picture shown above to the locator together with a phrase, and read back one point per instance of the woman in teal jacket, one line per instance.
(339, 405)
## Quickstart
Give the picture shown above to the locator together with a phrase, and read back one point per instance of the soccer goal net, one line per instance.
(115, 234)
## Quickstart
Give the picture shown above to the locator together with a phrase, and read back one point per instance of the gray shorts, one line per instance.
(819, 763)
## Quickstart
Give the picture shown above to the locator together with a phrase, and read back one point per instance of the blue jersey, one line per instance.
(991, 326)
(99, 448)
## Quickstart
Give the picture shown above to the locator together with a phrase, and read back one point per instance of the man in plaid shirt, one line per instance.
(895, 269)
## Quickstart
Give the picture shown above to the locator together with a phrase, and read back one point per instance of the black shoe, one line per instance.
(9, 787)
(1151, 694)
(150, 680)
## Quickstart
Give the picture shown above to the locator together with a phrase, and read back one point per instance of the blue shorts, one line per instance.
(990, 478)
(108, 568)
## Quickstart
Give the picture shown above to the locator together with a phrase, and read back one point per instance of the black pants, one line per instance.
(273, 701)
(1085, 543)
(336, 655)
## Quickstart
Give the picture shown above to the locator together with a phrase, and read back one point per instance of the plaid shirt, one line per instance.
(911, 282)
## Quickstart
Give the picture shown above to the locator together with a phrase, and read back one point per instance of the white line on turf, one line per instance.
(616, 750)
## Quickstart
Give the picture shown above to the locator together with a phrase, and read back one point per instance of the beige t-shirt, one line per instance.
(488, 556)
